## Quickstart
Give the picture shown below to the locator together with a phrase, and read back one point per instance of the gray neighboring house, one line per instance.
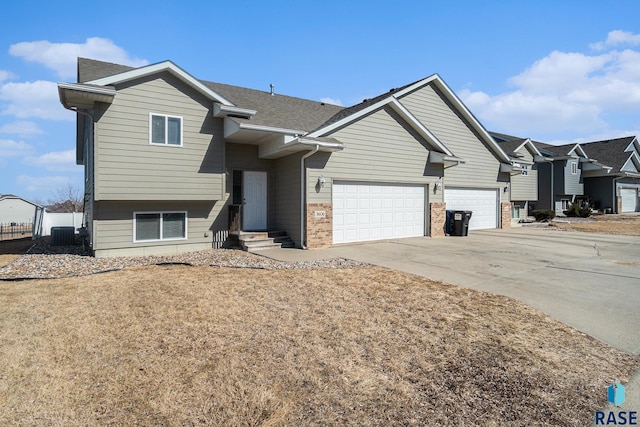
(15, 209)
(174, 163)
(617, 188)
(524, 179)
(561, 178)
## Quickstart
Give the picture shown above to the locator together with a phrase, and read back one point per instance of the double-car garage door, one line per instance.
(375, 211)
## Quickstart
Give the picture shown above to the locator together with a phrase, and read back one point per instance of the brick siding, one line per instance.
(319, 229)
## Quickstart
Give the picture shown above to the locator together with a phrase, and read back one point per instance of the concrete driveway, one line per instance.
(589, 281)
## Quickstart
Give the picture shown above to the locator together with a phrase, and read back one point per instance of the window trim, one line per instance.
(166, 130)
(161, 213)
(574, 168)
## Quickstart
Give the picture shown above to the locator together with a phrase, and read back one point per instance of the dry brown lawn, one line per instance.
(610, 224)
(182, 346)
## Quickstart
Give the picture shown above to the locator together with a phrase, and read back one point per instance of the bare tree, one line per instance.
(68, 198)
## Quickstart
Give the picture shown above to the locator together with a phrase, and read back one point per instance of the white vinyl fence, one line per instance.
(60, 220)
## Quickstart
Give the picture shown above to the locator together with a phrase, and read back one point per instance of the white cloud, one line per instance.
(33, 99)
(42, 184)
(615, 38)
(11, 148)
(62, 57)
(56, 161)
(23, 128)
(6, 75)
(567, 92)
(332, 101)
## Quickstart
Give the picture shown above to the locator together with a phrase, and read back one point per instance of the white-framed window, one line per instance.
(165, 130)
(574, 168)
(157, 226)
(565, 204)
(525, 170)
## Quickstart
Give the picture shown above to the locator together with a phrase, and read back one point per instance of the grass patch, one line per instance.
(176, 345)
(610, 224)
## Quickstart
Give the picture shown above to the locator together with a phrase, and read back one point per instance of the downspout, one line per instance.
(84, 198)
(303, 192)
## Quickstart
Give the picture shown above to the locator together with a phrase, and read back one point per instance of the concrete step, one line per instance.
(277, 233)
(254, 244)
(253, 235)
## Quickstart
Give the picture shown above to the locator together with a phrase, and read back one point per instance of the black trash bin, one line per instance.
(448, 224)
(461, 221)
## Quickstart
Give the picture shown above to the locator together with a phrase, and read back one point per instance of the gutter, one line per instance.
(303, 192)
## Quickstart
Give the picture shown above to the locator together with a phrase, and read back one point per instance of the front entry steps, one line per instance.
(252, 241)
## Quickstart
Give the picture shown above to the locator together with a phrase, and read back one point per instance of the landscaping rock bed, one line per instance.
(43, 261)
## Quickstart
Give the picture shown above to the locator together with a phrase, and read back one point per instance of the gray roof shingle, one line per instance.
(609, 152)
(272, 110)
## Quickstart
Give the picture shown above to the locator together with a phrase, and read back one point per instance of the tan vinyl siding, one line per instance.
(482, 167)
(286, 201)
(525, 187)
(129, 168)
(114, 223)
(378, 148)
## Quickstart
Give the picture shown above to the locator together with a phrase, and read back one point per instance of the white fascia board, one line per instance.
(109, 91)
(457, 103)
(418, 126)
(221, 110)
(579, 148)
(533, 149)
(633, 145)
(352, 118)
(355, 116)
(158, 68)
(269, 129)
(331, 146)
(633, 158)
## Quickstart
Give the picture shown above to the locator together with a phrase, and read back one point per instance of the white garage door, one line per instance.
(483, 203)
(629, 197)
(366, 211)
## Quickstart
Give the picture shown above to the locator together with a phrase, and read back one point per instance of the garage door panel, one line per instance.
(483, 203)
(373, 211)
(629, 198)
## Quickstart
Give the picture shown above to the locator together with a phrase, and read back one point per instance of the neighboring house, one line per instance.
(173, 163)
(524, 179)
(561, 179)
(14, 209)
(617, 189)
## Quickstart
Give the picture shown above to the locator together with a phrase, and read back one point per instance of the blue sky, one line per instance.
(554, 71)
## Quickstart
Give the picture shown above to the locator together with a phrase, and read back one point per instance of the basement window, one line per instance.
(156, 226)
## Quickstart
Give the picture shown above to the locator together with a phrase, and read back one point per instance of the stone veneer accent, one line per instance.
(437, 218)
(505, 215)
(618, 204)
(319, 229)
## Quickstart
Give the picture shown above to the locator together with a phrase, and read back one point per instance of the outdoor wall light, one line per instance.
(321, 181)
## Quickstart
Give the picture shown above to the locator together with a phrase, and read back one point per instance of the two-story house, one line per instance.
(174, 163)
(524, 178)
(616, 188)
(561, 179)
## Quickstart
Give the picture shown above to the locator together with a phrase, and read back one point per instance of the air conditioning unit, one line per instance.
(62, 236)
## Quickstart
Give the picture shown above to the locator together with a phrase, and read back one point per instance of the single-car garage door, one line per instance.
(629, 198)
(483, 204)
(372, 211)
